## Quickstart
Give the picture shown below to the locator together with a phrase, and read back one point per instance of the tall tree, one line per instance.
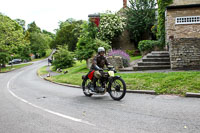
(21, 23)
(39, 41)
(11, 39)
(32, 27)
(68, 34)
(140, 18)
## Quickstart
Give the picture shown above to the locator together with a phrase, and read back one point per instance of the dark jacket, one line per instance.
(100, 61)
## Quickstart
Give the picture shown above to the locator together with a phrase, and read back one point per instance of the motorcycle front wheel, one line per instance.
(117, 89)
(86, 87)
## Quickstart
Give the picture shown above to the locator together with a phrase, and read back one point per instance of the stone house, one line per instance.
(183, 34)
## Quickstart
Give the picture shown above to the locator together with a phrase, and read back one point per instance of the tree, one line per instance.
(11, 38)
(87, 44)
(140, 18)
(111, 26)
(68, 34)
(21, 23)
(39, 44)
(39, 41)
(63, 58)
(32, 27)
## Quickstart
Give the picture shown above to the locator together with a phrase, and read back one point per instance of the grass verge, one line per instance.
(42, 71)
(132, 58)
(163, 83)
(10, 68)
(73, 76)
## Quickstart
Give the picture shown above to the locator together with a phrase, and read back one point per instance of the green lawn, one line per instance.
(163, 83)
(132, 58)
(42, 70)
(74, 74)
(9, 68)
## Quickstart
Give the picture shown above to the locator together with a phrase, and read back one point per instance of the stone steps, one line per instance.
(156, 60)
(145, 59)
(151, 67)
(152, 63)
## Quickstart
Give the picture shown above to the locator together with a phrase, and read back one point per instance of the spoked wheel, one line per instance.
(85, 87)
(117, 89)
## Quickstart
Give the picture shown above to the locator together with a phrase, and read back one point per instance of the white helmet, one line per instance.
(101, 49)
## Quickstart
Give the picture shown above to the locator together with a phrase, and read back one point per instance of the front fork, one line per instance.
(111, 79)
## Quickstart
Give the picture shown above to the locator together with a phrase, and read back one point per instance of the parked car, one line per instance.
(15, 61)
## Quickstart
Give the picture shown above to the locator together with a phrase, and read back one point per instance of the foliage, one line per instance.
(32, 27)
(21, 23)
(39, 40)
(63, 58)
(111, 26)
(67, 34)
(148, 45)
(87, 44)
(140, 18)
(124, 55)
(39, 43)
(161, 19)
(12, 39)
(87, 47)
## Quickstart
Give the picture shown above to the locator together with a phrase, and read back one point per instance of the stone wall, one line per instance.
(185, 53)
(115, 61)
(185, 2)
(182, 30)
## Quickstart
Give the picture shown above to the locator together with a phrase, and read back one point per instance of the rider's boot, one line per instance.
(92, 87)
(93, 84)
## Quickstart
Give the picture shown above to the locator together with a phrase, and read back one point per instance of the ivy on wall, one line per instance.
(162, 4)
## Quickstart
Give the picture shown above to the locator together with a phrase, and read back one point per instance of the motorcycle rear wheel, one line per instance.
(117, 89)
(85, 87)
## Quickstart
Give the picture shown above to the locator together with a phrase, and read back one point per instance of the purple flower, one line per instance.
(120, 53)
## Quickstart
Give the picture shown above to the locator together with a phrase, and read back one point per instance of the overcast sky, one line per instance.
(47, 13)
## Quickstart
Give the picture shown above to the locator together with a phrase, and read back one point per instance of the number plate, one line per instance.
(111, 73)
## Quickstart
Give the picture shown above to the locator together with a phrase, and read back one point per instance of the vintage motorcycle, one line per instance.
(110, 83)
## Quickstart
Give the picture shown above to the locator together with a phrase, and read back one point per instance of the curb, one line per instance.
(190, 94)
(64, 84)
(152, 92)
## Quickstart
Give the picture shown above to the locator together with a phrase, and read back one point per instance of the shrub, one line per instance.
(149, 45)
(111, 26)
(124, 55)
(63, 58)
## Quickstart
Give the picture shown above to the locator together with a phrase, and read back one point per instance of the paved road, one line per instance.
(29, 104)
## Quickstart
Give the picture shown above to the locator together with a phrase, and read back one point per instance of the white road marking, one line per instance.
(44, 109)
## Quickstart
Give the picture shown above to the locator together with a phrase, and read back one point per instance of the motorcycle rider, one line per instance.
(98, 63)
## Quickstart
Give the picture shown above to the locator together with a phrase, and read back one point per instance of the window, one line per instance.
(188, 20)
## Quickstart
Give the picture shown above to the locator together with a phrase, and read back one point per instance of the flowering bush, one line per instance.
(124, 55)
(111, 25)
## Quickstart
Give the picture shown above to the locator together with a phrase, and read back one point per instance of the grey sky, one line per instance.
(47, 13)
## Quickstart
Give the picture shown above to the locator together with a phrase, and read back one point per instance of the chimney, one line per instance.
(124, 3)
